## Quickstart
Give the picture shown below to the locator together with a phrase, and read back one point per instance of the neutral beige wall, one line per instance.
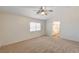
(14, 28)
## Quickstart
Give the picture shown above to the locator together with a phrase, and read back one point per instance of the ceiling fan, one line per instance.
(43, 10)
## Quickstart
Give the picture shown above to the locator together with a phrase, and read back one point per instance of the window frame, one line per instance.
(36, 27)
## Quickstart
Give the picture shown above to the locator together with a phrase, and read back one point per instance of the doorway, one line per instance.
(56, 28)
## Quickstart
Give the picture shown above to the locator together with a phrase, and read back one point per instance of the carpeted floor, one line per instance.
(43, 45)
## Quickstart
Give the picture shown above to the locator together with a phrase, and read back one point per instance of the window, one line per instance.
(35, 26)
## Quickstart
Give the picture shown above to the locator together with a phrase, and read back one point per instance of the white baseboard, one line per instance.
(70, 38)
(13, 42)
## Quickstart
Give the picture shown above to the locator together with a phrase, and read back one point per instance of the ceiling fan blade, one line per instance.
(50, 10)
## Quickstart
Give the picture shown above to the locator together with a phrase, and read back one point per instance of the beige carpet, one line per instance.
(43, 45)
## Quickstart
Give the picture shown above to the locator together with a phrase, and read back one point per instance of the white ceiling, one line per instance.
(27, 11)
(30, 11)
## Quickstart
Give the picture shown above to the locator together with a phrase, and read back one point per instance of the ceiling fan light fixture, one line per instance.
(43, 11)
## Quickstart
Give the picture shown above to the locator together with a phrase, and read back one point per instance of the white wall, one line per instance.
(14, 28)
(70, 24)
(69, 19)
(49, 27)
(49, 23)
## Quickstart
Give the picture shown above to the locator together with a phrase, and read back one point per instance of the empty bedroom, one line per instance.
(39, 29)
